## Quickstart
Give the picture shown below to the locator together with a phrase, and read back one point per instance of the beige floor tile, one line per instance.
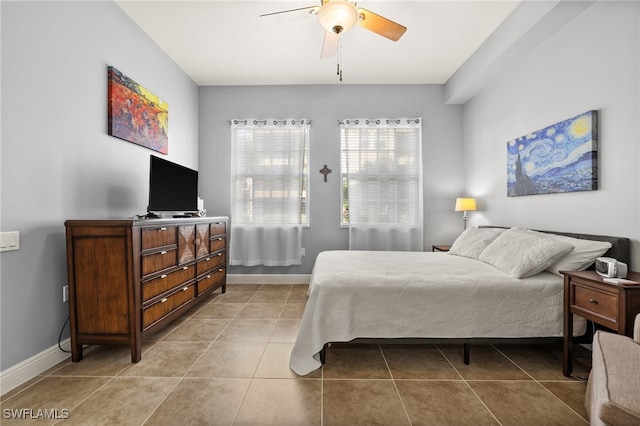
(524, 403)
(437, 402)
(248, 330)
(362, 402)
(276, 287)
(261, 311)
(99, 361)
(281, 402)
(275, 363)
(355, 361)
(541, 361)
(571, 393)
(300, 288)
(55, 394)
(298, 297)
(408, 361)
(167, 359)
(219, 311)
(229, 359)
(199, 401)
(198, 330)
(243, 287)
(285, 331)
(486, 363)
(233, 297)
(270, 297)
(24, 385)
(293, 310)
(123, 401)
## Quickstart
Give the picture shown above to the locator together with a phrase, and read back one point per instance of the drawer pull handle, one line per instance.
(162, 229)
(594, 301)
(185, 288)
(163, 300)
(163, 276)
(163, 252)
(208, 259)
(219, 254)
(219, 239)
(208, 276)
(220, 270)
(184, 268)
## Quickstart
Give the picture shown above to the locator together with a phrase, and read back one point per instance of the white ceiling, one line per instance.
(227, 43)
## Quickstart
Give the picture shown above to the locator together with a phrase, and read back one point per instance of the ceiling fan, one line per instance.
(339, 16)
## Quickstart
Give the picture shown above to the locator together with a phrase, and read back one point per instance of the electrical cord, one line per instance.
(60, 336)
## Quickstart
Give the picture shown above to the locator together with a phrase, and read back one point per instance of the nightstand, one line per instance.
(612, 306)
(440, 247)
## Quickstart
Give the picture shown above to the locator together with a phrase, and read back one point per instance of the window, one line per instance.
(381, 176)
(270, 172)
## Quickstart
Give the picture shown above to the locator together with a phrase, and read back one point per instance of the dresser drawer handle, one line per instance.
(163, 252)
(218, 239)
(594, 301)
(185, 288)
(162, 229)
(207, 277)
(163, 276)
(184, 268)
(220, 270)
(207, 259)
(163, 300)
(219, 254)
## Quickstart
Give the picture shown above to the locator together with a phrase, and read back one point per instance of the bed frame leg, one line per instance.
(323, 354)
(466, 353)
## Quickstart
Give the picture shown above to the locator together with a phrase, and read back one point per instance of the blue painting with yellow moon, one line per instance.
(559, 158)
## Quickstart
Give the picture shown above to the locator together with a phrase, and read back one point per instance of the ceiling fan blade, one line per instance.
(300, 11)
(380, 25)
(329, 45)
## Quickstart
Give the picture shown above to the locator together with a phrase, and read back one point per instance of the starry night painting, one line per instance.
(559, 158)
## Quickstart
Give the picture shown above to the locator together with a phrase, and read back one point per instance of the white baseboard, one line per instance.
(268, 278)
(26, 370)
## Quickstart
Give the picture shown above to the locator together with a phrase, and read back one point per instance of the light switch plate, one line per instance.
(9, 241)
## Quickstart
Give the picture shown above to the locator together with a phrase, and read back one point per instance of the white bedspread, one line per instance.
(373, 294)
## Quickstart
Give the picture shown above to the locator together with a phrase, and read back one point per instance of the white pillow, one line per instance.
(523, 253)
(583, 255)
(473, 241)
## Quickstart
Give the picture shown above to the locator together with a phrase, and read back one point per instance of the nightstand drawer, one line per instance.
(604, 305)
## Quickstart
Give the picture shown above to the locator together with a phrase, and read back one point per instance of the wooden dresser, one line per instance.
(130, 278)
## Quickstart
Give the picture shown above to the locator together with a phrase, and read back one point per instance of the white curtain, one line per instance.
(268, 191)
(382, 171)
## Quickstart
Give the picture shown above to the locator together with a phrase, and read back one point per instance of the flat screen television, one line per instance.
(172, 187)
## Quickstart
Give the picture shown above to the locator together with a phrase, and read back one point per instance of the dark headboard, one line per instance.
(620, 246)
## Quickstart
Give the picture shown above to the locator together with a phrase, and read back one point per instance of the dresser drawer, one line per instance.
(158, 237)
(218, 228)
(166, 305)
(604, 305)
(210, 280)
(218, 243)
(156, 262)
(166, 282)
(210, 262)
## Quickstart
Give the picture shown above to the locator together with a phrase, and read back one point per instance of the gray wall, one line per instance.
(325, 105)
(57, 161)
(591, 63)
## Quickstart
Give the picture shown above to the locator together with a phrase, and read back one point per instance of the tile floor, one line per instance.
(226, 362)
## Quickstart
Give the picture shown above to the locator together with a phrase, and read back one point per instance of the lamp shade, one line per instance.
(465, 204)
(338, 16)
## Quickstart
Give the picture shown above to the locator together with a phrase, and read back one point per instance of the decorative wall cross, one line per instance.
(325, 171)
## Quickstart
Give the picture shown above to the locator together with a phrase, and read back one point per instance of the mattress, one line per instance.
(377, 294)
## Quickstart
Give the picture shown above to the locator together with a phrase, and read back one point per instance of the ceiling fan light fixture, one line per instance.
(338, 16)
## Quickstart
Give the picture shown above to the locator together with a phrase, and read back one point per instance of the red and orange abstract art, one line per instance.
(135, 114)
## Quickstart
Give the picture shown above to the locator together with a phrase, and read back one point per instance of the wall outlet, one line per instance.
(302, 251)
(10, 241)
(65, 293)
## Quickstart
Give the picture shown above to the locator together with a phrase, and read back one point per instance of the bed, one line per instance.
(471, 292)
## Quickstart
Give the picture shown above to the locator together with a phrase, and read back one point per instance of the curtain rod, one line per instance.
(379, 121)
(265, 122)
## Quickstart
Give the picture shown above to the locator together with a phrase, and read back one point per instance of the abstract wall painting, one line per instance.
(135, 114)
(560, 158)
